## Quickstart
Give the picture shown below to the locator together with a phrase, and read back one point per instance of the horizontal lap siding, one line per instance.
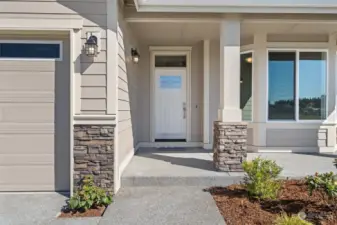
(93, 13)
(127, 91)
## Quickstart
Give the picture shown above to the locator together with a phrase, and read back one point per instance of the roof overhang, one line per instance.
(238, 6)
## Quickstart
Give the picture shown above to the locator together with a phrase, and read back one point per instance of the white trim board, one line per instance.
(170, 50)
(206, 119)
(95, 119)
(126, 161)
(41, 24)
(239, 6)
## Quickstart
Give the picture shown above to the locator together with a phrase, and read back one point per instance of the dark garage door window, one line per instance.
(30, 50)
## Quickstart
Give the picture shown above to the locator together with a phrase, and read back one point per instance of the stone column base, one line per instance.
(229, 146)
(94, 154)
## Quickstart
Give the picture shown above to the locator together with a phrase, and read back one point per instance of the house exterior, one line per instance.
(264, 70)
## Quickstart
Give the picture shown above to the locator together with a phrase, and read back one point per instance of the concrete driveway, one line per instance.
(162, 205)
(30, 209)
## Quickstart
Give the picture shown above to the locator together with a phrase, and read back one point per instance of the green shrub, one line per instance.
(261, 178)
(324, 183)
(284, 219)
(89, 196)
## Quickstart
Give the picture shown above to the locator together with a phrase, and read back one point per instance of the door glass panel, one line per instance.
(170, 61)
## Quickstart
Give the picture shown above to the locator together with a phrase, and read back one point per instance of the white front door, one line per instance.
(170, 104)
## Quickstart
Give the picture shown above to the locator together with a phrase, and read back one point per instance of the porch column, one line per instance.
(229, 110)
(260, 98)
(230, 134)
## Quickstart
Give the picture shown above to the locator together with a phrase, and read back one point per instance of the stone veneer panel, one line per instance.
(94, 154)
(229, 146)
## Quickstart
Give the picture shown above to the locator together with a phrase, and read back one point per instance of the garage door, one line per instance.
(34, 114)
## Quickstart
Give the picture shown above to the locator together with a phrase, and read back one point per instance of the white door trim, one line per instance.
(206, 138)
(167, 50)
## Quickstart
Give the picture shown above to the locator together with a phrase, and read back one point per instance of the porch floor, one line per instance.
(194, 167)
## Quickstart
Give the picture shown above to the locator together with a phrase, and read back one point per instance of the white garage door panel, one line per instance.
(27, 178)
(23, 81)
(34, 123)
(21, 143)
(23, 159)
(28, 65)
(26, 97)
(27, 113)
(26, 128)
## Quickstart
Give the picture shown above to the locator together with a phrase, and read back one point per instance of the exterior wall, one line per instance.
(89, 75)
(93, 13)
(144, 87)
(127, 94)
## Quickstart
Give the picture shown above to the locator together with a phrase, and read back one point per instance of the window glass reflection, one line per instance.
(281, 93)
(312, 86)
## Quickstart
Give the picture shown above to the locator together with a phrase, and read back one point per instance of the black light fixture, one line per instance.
(135, 55)
(241, 80)
(91, 46)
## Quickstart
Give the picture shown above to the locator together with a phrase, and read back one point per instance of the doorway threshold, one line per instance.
(169, 145)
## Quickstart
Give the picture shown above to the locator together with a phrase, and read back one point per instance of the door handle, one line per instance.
(184, 110)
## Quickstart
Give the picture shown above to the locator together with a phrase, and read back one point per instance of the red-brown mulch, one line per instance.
(238, 209)
(89, 213)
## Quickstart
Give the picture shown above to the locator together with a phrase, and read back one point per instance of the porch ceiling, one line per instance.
(190, 33)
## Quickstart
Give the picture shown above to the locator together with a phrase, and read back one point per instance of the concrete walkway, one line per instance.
(194, 167)
(166, 205)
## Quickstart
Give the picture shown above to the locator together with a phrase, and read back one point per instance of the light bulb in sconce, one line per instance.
(249, 59)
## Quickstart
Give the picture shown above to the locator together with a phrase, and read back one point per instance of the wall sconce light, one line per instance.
(241, 80)
(249, 59)
(135, 55)
(92, 45)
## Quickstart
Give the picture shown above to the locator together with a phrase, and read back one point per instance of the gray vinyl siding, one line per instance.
(127, 92)
(93, 13)
(247, 111)
(292, 137)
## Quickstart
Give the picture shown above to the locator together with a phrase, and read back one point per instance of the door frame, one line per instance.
(170, 50)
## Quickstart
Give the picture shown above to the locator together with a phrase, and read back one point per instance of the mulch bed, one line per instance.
(238, 209)
(89, 213)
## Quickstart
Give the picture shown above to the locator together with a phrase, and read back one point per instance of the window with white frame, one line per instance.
(297, 85)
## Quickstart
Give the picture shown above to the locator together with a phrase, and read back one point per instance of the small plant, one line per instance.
(89, 196)
(261, 178)
(284, 219)
(324, 183)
